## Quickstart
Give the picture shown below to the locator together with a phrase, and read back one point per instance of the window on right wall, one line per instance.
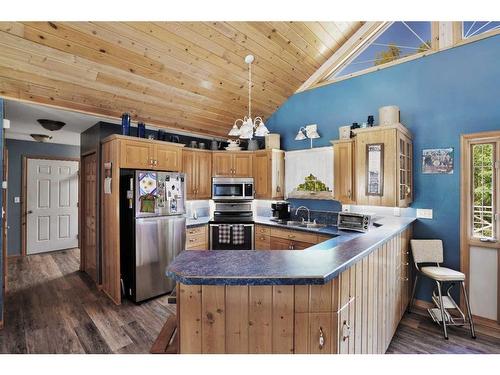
(474, 28)
(399, 40)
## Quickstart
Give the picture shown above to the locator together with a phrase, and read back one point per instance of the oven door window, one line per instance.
(228, 190)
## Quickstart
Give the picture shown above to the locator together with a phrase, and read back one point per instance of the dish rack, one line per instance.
(453, 315)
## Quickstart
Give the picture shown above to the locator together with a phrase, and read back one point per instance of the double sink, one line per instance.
(305, 224)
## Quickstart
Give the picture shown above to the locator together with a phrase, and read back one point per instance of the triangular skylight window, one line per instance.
(473, 28)
(399, 40)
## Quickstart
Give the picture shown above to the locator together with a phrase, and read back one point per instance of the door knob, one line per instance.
(30, 212)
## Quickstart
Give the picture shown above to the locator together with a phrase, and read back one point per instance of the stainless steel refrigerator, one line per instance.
(152, 230)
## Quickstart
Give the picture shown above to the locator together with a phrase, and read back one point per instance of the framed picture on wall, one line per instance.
(437, 161)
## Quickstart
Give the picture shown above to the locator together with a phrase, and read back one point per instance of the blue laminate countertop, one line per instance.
(315, 265)
(191, 223)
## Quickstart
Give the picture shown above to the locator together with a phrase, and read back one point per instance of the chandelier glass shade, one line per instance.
(248, 127)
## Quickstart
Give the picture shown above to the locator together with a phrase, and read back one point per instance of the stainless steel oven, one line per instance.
(229, 188)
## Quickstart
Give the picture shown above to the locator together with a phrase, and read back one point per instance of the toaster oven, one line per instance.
(353, 221)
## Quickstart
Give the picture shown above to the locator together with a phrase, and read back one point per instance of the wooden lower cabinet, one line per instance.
(356, 312)
(272, 238)
(197, 238)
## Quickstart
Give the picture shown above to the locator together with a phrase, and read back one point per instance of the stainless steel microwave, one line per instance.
(353, 221)
(231, 188)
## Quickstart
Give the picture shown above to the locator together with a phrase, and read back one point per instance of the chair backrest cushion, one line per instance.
(427, 251)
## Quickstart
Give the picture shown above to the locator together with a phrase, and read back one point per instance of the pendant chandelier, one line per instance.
(249, 127)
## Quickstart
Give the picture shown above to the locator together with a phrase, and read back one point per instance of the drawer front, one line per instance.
(262, 229)
(294, 235)
(196, 230)
(197, 237)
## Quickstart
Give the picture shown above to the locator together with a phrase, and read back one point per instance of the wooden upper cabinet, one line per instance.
(232, 164)
(204, 181)
(268, 174)
(136, 154)
(222, 164)
(197, 165)
(189, 168)
(242, 165)
(167, 158)
(397, 165)
(343, 171)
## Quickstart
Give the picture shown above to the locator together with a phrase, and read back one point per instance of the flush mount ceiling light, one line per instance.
(249, 127)
(309, 131)
(51, 125)
(41, 137)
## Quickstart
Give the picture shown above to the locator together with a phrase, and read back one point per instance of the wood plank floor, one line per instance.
(51, 307)
(418, 334)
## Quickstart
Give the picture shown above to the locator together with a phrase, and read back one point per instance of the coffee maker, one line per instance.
(281, 211)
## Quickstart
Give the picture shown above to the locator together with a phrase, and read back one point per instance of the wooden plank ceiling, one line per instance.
(189, 76)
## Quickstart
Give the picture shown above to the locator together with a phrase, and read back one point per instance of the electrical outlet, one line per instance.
(346, 208)
(397, 211)
(17, 200)
(424, 213)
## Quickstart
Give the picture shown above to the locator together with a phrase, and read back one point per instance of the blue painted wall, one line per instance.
(17, 149)
(441, 96)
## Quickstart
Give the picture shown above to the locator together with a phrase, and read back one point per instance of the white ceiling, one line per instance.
(23, 122)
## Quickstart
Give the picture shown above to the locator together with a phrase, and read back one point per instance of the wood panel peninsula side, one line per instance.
(345, 295)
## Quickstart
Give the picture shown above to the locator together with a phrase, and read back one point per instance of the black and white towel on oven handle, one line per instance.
(225, 233)
(238, 234)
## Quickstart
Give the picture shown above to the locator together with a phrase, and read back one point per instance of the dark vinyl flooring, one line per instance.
(51, 307)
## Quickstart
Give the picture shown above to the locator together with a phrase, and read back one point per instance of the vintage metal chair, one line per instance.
(428, 252)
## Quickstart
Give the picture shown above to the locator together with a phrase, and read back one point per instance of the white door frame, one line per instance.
(24, 195)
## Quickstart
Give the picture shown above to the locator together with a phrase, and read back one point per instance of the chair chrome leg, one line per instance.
(469, 313)
(412, 300)
(443, 318)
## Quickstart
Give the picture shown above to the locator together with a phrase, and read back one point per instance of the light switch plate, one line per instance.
(17, 200)
(424, 213)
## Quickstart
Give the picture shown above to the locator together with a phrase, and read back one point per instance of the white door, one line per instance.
(51, 205)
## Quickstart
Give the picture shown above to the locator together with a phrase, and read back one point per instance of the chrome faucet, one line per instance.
(308, 213)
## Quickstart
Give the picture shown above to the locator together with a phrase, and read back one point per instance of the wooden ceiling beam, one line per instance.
(364, 34)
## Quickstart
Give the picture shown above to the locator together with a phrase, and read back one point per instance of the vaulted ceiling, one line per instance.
(189, 76)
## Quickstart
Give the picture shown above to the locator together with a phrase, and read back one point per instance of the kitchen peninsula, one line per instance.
(344, 295)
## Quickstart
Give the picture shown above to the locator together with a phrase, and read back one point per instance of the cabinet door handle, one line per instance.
(321, 339)
(349, 194)
(346, 327)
